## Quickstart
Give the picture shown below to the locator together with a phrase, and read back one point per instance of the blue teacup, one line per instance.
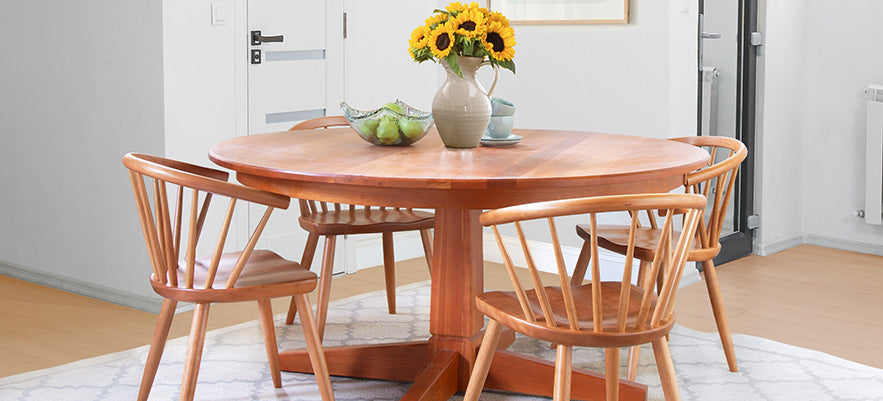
(501, 107)
(500, 126)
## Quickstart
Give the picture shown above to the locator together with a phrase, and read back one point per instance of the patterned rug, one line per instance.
(234, 365)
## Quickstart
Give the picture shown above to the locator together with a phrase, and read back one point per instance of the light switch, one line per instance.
(220, 13)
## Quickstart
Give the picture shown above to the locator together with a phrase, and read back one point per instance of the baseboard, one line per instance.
(818, 240)
(837, 243)
(140, 302)
(366, 250)
(770, 248)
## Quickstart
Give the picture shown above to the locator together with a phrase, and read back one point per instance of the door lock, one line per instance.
(257, 39)
(255, 56)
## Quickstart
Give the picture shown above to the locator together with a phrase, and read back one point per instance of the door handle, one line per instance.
(710, 35)
(257, 39)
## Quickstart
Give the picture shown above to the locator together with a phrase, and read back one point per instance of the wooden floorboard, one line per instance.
(812, 297)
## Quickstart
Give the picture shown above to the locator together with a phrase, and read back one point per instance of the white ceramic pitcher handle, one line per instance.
(490, 91)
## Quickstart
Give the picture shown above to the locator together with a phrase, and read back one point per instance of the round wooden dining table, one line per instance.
(336, 165)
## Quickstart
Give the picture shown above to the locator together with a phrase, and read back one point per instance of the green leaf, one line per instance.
(467, 47)
(507, 64)
(455, 66)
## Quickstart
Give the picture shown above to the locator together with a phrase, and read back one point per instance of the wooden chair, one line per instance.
(248, 275)
(716, 182)
(608, 314)
(322, 219)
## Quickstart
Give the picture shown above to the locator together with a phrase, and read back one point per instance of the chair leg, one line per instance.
(634, 356)
(720, 315)
(194, 352)
(426, 237)
(666, 370)
(324, 286)
(611, 368)
(314, 348)
(160, 334)
(389, 272)
(483, 361)
(563, 368)
(306, 261)
(582, 264)
(268, 327)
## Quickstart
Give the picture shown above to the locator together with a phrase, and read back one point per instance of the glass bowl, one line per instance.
(388, 127)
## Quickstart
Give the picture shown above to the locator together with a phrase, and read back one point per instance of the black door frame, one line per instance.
(740, 243)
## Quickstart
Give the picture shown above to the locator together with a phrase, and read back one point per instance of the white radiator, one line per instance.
(709, 100)
(874, 156)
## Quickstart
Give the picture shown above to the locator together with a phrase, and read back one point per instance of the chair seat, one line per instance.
(366, 220)
(504, 307)
(265, 271)
(616, 239)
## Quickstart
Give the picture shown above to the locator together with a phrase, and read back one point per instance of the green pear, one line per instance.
(394, 107)
(369, 127)
(388, 132)
(412, 128)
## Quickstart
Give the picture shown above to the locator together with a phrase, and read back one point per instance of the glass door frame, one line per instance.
(739, 243)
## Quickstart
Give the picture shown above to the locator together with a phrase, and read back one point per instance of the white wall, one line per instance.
(817, 60)
(780, 129)
(199, 67)
(637, 78)
(844, 53)
(80, 85)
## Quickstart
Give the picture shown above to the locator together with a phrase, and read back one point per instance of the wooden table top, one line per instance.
(335, 165)
(569, 162)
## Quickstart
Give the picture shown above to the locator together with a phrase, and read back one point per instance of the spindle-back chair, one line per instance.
(717, 183)
(180, 276)
(331, 220)
(607, 315)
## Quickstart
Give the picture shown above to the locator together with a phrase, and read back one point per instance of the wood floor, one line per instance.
(812, 297)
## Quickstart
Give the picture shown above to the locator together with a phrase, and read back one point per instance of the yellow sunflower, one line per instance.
(495, 16)
(469, 23)
(441, 41)
(436, 20)
(475, 6)
(499, 41)
(419, 37)
(455, 7)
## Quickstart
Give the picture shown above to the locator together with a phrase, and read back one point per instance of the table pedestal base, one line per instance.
(437, 372)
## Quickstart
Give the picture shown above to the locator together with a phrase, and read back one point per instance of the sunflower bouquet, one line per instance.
(464, 30)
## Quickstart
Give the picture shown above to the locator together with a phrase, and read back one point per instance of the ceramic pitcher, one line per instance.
(461, 107)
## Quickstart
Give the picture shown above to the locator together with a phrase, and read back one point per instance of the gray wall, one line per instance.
(817, 60)
(80, 85)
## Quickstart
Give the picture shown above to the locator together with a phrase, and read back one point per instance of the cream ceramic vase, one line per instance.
(461, 107)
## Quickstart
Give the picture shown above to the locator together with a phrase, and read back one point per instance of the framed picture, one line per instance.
(563, 11)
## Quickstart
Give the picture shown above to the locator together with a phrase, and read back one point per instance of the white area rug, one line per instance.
(234, 365)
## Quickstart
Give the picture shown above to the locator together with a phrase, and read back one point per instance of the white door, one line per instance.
(313, 68)
(294, 73)
(287, 74)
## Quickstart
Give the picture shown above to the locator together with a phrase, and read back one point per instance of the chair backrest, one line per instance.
(307, 206)
(609, 315)
(162, 226)
(321, 122)
(716, 182)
